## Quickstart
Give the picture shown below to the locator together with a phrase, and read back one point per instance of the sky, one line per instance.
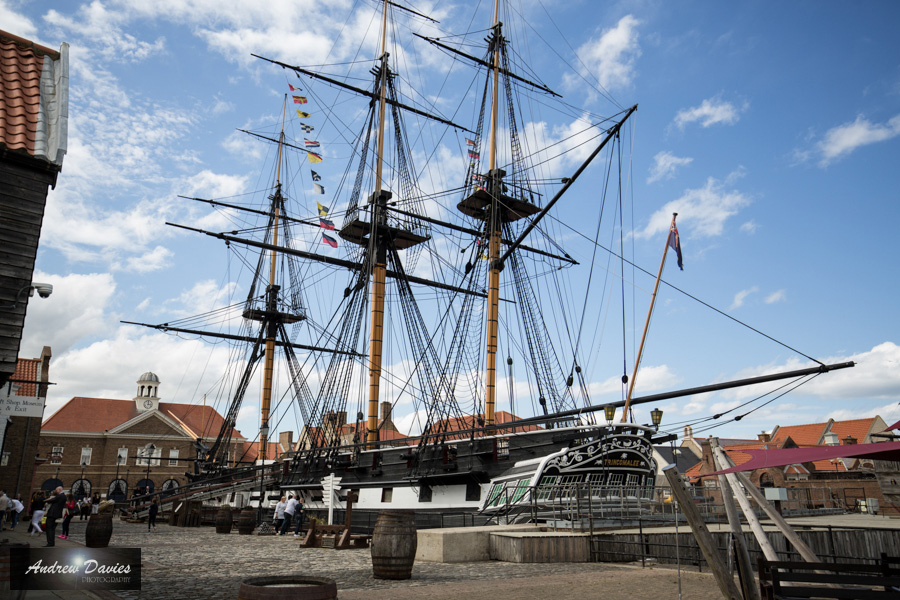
(772, 128)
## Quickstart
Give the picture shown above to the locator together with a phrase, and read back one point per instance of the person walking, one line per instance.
(85, 508)
(17, 508)
(68, 513)
(54, 507)
(37, 512)
(151, 519)
(279, 513)
(288, 515)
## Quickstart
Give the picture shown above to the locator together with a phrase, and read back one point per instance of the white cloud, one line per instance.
(611, 57)
(702, 211)
(749, 227)
(779, 296)
(79, 308)
(665, 164)
(711, 111)
(154, 260)
(17, 24)
(741, 296)
(842, 140)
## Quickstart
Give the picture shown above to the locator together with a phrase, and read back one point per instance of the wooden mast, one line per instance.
(637, 361)
(494, 189)
(271, 304)
(379, 266)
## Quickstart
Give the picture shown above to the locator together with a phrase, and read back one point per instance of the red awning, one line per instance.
(894, 426)
(763, 459)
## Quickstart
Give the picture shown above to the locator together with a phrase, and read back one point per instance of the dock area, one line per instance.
(198, 563)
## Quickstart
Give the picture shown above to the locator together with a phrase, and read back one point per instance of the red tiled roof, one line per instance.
(857, 428)
(803, 435)
(26, 372)
(251, 451)
(829, 465)
(21, 64)
(467, 422)
(102, 414)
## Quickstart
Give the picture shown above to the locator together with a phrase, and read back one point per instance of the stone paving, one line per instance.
(199, 563)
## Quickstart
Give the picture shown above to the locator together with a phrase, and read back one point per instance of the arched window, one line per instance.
(765, 480)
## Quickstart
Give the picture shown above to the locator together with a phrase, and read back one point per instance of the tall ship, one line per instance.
(437, 284)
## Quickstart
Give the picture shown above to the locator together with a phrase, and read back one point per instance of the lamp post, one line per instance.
(150, 450)
(656, 416)
(118, 485)
(263, 438)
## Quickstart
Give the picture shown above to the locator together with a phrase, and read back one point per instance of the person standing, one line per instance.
(298, 517)
(54, 507)
(17, 508)
(288, 515)
(85, 508)
(4, 504)
(151, 519)
(68, 513)
(279, 513)
(37, 512)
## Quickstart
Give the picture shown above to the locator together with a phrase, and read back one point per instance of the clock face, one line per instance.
(148, 403)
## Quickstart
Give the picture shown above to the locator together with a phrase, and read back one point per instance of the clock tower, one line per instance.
(147, 388)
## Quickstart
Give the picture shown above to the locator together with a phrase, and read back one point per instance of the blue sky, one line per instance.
(772, 128)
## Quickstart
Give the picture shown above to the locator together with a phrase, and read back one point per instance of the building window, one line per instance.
(387, 494)
(173, 458)
(425, 493)
(85, 456)
(149, 453)
(56, 455)
(122, 456)
(4, 460)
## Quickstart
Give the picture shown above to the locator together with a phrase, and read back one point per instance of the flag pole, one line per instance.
(637, 361)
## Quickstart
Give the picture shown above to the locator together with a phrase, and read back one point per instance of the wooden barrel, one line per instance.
(394, 544)
(5, 572)
(247, 521)
(287, 587)
(98, 531)
(224, 519)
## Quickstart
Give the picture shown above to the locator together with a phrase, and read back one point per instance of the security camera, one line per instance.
(43, 289)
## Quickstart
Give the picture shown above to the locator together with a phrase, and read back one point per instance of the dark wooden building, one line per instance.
(34, 100)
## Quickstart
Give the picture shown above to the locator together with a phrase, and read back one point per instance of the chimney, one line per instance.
(831, 439)
(385, 411)
(849, 440)
(286, 439)
(688, 432)
(764, 437)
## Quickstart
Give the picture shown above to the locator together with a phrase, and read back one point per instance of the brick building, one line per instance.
(843, 483)
(116, 447)
(19, 434)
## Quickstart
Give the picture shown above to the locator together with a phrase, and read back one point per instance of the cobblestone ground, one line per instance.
(198, 563)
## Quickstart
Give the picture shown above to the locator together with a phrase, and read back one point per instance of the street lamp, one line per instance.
(656, 416)
(610, 412)
(119, 462)
(150, 449)
(263, 438)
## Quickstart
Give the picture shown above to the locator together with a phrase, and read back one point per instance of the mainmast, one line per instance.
(496, 209)
(378, 201)
(379, 237)
(271, 304)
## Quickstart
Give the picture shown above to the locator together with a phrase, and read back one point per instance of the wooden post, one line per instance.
(721, 462)
(748, 583)
(789, 534)
(702, 535)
